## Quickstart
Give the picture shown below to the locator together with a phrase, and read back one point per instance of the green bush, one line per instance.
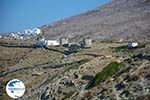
(108, 71)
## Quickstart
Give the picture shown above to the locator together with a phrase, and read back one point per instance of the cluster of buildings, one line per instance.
(28, 33)
(64, 41)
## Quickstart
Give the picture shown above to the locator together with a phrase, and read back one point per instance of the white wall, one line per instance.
(52, 42)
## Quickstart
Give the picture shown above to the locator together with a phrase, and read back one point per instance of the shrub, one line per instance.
(108, 71)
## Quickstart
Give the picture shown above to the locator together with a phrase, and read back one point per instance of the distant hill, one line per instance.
(119, 19)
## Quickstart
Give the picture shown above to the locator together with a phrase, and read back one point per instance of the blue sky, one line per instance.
(17, 15)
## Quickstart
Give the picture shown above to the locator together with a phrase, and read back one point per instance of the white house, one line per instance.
(36, 31)
(42, 42)
(64, 40)
(33, 31)
(132, 44)
(14, 36)
(28, 32)
(21, 37)
(52, 42)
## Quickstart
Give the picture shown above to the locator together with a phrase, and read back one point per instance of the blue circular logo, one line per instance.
(15, 88)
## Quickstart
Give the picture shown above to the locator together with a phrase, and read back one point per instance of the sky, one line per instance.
(18, 15)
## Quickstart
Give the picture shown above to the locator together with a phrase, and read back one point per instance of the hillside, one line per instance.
(119, 19)
(107, 70)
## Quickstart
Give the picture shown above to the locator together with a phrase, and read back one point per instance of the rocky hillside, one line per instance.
(119, 19)
(106, 71)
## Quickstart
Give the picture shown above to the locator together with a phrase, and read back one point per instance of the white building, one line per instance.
(64, 40)
(36, 31)
(28, 33)
(87, 42)
(14, 36)
(52, 42)
(42, 42)
(132, 44)
(21, 37)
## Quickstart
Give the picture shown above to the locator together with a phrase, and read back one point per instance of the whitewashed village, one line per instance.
(41, 41)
